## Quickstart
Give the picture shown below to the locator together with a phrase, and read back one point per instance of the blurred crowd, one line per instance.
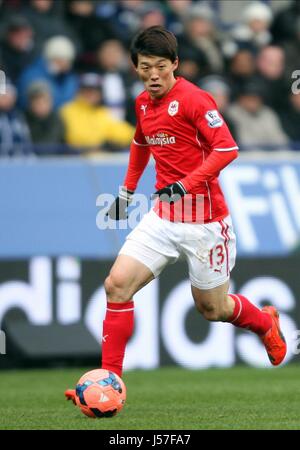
(70, 85)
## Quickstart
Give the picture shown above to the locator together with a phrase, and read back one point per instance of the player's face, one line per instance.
(157, 74)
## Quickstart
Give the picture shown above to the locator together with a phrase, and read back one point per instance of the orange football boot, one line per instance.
(70, 395)
(274, 340)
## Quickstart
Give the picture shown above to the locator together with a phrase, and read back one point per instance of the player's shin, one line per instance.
(117, 330)
(246, 315)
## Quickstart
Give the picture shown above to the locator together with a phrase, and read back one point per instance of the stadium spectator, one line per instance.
(290, 119)
(270, 67)
(47, 20)
(151, 13)
(200, 37)
(257, 126)
(9, 7)
(242, 68)
(123, 17)
(292, 52)
(46, 126)
(18, 48)
(91, 126)
(133, 87)
(54, 67)
(175, 15)
(285, 22)
(220, 90)
(113, 64)
(254, 30)
(90, 31)
(14, 132)
(189, 68)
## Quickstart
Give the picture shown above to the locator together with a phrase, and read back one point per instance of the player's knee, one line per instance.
(212, 315)
(210, 311)
(215, 308)
(116, 288)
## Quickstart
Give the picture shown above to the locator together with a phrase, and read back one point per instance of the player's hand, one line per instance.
(118, 210)
(171, 193)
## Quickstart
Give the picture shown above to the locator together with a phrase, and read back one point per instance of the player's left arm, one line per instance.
(211, 126)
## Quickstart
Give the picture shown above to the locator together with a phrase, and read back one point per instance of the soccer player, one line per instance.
(179, 124)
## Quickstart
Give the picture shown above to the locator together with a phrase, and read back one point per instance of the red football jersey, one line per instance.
(181, 130)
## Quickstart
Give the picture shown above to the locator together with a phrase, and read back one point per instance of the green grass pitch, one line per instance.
(165, 399)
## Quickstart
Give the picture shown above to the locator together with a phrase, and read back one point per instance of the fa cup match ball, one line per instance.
(100, 393)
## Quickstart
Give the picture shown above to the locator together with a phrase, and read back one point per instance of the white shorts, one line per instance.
(209, 249)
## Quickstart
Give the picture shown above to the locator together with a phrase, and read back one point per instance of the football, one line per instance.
(100, 393)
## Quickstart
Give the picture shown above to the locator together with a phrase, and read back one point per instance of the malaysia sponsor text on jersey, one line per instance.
(160, 139)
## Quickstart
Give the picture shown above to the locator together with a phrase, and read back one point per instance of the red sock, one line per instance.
(117, 329)
(246, 315)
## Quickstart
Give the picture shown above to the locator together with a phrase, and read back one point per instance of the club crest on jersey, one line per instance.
(213, 119)
(173, 108)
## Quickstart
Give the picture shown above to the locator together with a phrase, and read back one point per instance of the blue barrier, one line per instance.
(48, 206)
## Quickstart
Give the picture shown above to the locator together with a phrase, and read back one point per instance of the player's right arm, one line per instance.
(138, 160)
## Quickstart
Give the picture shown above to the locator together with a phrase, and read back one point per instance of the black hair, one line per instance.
(154, 41)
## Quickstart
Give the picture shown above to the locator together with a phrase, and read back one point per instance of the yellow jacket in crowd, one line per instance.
(93, 126)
